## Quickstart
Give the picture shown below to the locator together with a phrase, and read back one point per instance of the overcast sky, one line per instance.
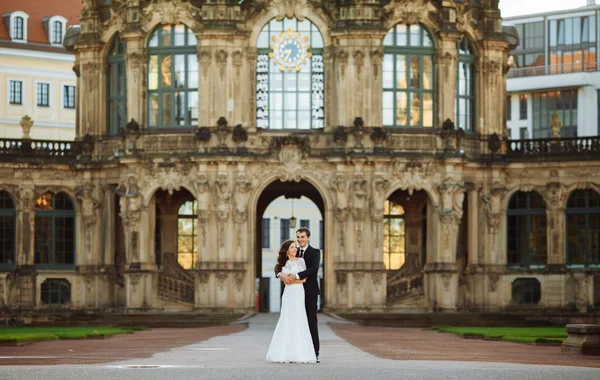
(522, 7)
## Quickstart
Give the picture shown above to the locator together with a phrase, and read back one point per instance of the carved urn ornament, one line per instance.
(26, 124)
(222, 131)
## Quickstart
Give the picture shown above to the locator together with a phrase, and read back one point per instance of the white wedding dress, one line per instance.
(291, 342)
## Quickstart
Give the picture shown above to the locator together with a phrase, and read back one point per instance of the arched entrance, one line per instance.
(407, 218)
(272, 229)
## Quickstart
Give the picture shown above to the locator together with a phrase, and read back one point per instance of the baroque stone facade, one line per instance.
(464, 181)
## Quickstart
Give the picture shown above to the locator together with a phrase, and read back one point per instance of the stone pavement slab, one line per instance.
(242, 356)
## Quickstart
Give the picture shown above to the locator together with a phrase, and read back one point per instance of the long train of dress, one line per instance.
(291, 342)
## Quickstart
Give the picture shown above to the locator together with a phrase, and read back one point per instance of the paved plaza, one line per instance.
(241, 355)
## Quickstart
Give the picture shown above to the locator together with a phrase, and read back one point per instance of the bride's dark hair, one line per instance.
(282, 257)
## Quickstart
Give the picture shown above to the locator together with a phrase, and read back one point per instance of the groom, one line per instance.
(312, 257)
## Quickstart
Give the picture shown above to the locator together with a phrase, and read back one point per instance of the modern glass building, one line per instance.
(555, 68)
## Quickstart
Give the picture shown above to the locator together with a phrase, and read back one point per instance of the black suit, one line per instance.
(312, 258)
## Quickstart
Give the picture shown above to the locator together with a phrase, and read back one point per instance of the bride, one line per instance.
(291, 342)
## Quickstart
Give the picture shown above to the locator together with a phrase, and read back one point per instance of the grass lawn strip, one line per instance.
(34, 334)
(528, 335)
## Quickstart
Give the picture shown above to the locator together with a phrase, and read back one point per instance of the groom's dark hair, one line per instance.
(303, 229)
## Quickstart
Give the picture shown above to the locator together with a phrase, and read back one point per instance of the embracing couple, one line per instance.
(296, 337)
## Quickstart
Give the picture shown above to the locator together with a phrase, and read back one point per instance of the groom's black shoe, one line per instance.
(318, 361)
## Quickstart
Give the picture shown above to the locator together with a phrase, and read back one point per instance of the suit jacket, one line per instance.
(312, 258)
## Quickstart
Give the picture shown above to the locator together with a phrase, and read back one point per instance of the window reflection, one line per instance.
(408, 77)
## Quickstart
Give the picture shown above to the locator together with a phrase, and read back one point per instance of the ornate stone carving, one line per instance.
(452, 196)
(240, 197)
(170, 12)
(238, 278)
(290, 157)
(204, 206)
(359, 62)
(342, 61)
(339, 188)
(415, 175)
(380, 186)
(359, 205)
(223, 205)
(492, 208)
(89, 205)
(376, 60)
(341, 277)
(221, 58)
(410, 12)
(555, 195)
(493, 281)
(204, 57)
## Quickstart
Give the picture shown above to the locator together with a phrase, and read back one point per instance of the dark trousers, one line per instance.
(311, 313)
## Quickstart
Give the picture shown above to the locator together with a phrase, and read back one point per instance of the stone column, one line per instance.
(138, 281)
(556, 281)
(492, 251)
(446, 61)
(442, 275)
(109, 218)
(136, 62)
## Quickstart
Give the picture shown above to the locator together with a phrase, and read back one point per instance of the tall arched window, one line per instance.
(408, 77)
(527, 230)
(187, 235)
(394, 246)
(172, 78)
(7, 231)
(583, 228)
(290, 76)
(116, 84)
(465, 87)
(54, 231)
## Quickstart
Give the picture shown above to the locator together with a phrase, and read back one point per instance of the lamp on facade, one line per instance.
(293, 218)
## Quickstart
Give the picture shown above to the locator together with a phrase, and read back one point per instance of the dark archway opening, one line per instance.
(297, 191)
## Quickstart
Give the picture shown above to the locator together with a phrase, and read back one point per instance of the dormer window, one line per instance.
(57, 32)
(17, 25)
(55, 29)
(18, 28)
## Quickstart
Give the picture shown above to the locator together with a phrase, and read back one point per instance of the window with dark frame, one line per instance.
(55, 291)
(284, 230)
(526, 231)
(18, 28)
(508, 108)
(321, 235)
(583, 229)
(522, 107)
(15, 92)
(564, 102)
(7, 231)
(305, 223)
(172, 77)
(116, 88)
(69, 96)
(394, 231)
(408, 77)
(54, 246)
(266, 233)
(187, 234)
(57, 32)
(43, 94)
(526, 291)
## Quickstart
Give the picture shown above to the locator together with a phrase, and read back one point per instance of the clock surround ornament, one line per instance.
(290, 50)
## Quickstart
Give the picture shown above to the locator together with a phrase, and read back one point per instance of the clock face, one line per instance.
(290, 50)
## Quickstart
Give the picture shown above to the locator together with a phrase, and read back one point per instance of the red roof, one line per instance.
(37, 10)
